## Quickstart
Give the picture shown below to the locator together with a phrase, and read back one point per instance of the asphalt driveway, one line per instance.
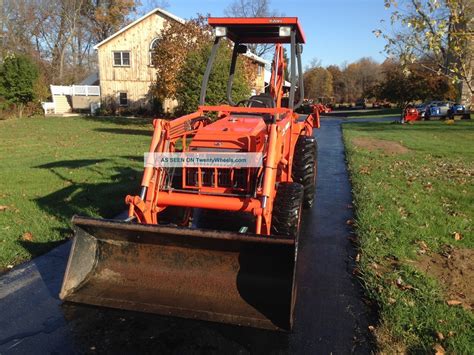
(331, 316)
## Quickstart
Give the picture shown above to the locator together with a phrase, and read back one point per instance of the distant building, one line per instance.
(126, 73)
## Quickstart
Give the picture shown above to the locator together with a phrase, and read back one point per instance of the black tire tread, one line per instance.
(305, 167)
(287, 209)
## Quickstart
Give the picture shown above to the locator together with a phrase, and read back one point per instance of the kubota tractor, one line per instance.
(164, 258)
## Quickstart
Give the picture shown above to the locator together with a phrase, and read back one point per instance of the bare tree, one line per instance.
(18, 23)
(59, 34)
(253, 8)
(147, 5)
(2, 29)
(108, 16)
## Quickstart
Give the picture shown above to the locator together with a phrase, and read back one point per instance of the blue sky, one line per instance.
(336, 30)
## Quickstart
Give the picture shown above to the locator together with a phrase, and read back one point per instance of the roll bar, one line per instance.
(296, 71)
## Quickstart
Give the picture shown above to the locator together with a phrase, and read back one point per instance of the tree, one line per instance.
(439, 31)
(338, 83)
(108, 16)
(360, 77)
(175, 43)
(147, 5)
(58, 29)
(419, 84)
(18, 75)
(191, 75)
(318, 83)
(59, 34)
(253, 8)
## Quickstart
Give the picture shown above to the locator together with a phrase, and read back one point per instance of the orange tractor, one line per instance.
(166, 257)
(410, 114)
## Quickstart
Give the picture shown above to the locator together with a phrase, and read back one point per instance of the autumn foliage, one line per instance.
(180, 59)
(419, 84)
(176, 42)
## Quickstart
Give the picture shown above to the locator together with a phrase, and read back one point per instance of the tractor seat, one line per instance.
(263, 100)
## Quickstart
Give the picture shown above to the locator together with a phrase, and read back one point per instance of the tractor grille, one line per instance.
(214, 177)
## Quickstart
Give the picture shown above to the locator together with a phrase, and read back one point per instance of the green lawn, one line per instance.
(367, 113)
(52, 168)
(370, 113)
(411, 207)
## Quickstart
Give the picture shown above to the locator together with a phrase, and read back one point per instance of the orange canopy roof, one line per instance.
(258, 29)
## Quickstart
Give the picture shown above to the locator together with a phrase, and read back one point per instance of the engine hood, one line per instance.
(243, 133)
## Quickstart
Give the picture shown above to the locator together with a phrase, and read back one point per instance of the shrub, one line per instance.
(192, 73)
(18, 75)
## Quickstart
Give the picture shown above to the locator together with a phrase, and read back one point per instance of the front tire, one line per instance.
(287, 208)
(305, 167)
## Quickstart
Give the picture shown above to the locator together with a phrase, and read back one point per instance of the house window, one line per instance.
(153, 45)
(259, 70)
(121, 59)
(123, 99)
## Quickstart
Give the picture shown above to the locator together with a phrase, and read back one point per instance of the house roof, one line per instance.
(154, 11)
(91, 79)
(256, 58)
(267, 78)
(176, 18)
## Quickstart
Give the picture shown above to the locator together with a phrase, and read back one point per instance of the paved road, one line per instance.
(330, 316)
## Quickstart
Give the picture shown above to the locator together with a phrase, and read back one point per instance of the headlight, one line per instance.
(285, 31)
(220, 31)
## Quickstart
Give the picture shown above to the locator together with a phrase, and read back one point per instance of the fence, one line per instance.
(76, 90)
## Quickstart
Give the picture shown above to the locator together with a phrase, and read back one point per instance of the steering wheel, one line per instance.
(194, 123)
(247, 102)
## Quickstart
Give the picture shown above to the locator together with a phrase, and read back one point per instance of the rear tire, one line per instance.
(287, 208)
(305, 167)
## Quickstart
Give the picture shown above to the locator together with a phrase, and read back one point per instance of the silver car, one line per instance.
(438, 109)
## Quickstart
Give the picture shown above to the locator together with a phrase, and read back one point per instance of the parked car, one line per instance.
(437, 110)
(361, 103)
(459, 111)
(421, 108)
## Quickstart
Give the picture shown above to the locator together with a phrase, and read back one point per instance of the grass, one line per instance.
(406, 203)
(385, 112)
(53, 168)
(367, 113)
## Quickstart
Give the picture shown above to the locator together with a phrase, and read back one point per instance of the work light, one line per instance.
(285, 31)
(221, 31)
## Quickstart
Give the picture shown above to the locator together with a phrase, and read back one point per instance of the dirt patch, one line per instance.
(372, 144)
(454, 270)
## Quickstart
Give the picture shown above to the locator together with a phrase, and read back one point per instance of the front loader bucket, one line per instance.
(192, 273)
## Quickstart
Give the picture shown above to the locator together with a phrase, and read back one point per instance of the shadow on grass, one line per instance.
(105, 199)
(38, 248)
(122, 121)
(126, 131)
(139, 158)
(71, 164)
